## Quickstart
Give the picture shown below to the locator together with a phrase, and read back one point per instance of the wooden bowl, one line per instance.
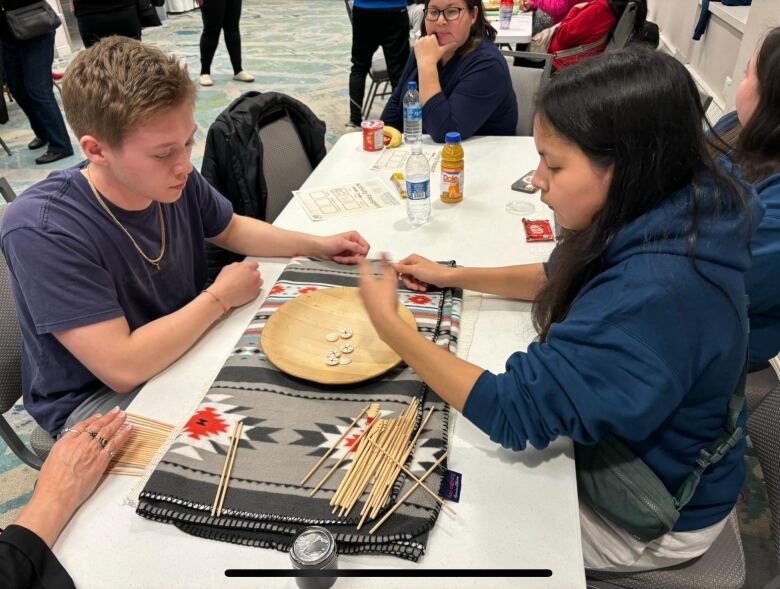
(294, 337)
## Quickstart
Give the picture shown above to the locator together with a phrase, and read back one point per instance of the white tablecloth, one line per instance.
(517, 510)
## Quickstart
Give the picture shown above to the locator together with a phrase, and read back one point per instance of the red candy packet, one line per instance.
(538, 230)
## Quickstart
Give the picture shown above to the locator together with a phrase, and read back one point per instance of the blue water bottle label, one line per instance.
(418, 190)
(412, 112)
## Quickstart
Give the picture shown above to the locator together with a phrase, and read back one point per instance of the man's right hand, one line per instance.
(237, 284)
(418, 272)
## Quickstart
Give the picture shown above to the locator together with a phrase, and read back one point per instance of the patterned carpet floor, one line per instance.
(302, 50)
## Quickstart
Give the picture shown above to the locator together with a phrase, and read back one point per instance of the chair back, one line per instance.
(530, 74)
(764, 430)
(285, 164)
(624, 28)
(10, 339)
(705, 99)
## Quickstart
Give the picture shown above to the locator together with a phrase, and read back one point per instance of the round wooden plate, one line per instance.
(294, 337)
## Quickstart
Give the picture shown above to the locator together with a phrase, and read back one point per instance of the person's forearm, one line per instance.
(449, 376)
(45, 517)
(153, 347)
(124, 359)
(252, 237)
(512, 282)
(429, 82)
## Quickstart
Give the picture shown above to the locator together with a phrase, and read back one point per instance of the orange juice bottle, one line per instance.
(452, 169)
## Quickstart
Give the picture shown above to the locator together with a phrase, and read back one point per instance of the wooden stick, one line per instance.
(133, 472)
(403, 458)
(334, 446)
(401, 434)
(406, 495)
(347, 452)
(384, 491)
(372, 463)
(224, 470)
(357, 470)
(230, 466)
(135, 418)
(418, 481)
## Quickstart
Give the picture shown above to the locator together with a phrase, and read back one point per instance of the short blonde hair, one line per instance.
(111, 88)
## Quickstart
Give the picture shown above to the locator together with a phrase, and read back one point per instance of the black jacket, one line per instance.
(27, 563)
(233, 159)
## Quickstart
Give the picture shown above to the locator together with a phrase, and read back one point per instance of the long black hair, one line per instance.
(758, 143)
(479, 30)
(638, 111)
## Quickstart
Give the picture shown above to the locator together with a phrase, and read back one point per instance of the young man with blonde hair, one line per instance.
(108, 258)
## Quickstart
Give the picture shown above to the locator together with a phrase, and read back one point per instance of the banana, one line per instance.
(392, 137)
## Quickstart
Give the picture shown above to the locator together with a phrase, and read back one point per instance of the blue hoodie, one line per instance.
(762, 280)
(650, 351)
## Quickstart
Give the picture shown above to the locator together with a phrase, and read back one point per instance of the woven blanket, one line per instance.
(289, 423)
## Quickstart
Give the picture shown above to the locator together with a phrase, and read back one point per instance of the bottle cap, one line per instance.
(452, 137)
(412, 85)
(313, 548)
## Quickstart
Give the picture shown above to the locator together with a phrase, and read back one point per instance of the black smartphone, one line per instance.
(524, 184)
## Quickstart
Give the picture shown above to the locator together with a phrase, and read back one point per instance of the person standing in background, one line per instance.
(221, 15)
(27, 67)
(376, 23)
(102, 18)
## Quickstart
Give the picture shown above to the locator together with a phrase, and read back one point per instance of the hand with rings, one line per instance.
(72, 471)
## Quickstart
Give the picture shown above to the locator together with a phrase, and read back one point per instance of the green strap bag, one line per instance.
(621, 487)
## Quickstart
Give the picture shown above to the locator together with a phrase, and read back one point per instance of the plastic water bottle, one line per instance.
(418, 187)
(412, 116)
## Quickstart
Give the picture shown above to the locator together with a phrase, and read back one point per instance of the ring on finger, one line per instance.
(93, 434)
(70, 429)
(102, 441)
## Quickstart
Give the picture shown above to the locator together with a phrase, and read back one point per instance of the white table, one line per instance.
(517, 510)
(519, 31)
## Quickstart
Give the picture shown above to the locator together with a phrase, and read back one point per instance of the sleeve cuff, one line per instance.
(25, 540)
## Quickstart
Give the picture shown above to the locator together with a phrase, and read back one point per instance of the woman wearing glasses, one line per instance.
(463, 79)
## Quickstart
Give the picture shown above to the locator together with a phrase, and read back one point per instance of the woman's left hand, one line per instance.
(344, 248)
(428, 52)
(379, 293)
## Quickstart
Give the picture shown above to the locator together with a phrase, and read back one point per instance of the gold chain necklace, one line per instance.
(153, 261)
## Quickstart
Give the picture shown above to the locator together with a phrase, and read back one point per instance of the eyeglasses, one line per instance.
(450, 13)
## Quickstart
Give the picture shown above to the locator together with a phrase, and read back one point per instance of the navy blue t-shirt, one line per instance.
(71, 265)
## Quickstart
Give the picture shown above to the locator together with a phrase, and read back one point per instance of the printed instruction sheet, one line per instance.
(348, 199)
(395, 159)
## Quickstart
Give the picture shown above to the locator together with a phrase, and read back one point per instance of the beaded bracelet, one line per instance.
(225, 309)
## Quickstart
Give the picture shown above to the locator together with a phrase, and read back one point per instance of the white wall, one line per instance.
(718, 60)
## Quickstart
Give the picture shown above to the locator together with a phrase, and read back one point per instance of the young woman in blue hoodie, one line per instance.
(753, 130)
(641, 309)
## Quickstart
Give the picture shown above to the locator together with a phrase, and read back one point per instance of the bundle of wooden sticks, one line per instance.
(145, 440)
(377, 460)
